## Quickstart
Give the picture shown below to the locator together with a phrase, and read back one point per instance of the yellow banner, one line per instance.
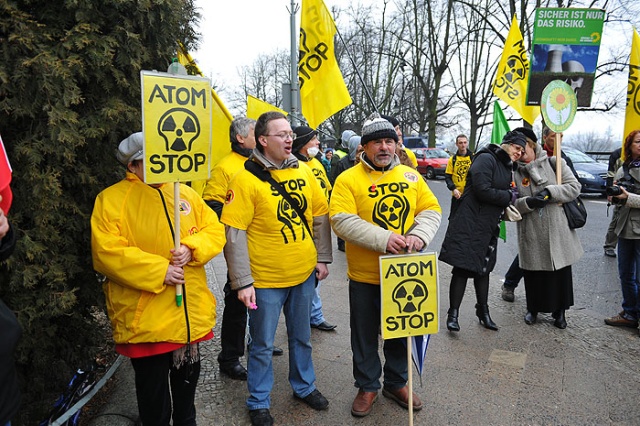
(221, 119)
(176, 121)
(513, 73)
(409, 295)
(322, 88)
(632, 112)
(256, 107)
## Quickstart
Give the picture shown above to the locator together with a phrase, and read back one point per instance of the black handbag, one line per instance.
(576, 213)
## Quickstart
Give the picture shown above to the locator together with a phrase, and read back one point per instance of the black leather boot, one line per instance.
(452, 320)
(560, 321)
(482, 312)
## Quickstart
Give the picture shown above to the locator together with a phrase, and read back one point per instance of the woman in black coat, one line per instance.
(471, 242)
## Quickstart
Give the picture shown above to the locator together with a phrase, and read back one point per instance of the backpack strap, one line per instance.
(264, 175)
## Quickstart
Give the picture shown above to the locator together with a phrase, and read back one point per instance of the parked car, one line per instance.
(415, 142)
(432, 162)
(591, 173)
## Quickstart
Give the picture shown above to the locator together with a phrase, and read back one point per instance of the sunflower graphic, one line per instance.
(558, 105)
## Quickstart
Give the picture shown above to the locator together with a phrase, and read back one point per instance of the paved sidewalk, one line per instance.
(587, 374)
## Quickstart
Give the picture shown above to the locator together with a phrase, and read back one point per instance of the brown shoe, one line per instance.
(620, 321)
(401, 396)
(363, 403)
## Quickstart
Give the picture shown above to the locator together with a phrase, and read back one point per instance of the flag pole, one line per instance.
(355, 68)
(294, 60)
(410, 379)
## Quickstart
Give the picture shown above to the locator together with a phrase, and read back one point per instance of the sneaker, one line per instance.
(621, 321)
(609, 252)
(261, 417)
(507, 294)
(314, 400)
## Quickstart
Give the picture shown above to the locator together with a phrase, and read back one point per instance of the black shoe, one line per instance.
(452, 320)
(531, 317)
(482, 312)
(234, 371)
(277, 351)
(324, 326)
(261, 417)
(560, 320)
(314, 400)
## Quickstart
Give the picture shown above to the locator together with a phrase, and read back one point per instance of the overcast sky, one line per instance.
(234, 32)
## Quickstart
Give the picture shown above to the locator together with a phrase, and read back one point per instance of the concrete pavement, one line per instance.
(587, 374)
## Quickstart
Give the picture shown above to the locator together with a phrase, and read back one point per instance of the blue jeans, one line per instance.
(295, 302)
(628, 264)
(317, 317)
(514, 274)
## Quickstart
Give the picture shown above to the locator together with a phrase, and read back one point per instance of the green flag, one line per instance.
(500, 128)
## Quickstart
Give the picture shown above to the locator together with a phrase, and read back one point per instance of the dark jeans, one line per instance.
(364, 303)
(514, 274)
(232, 331)
(159, 384)
(628, 265)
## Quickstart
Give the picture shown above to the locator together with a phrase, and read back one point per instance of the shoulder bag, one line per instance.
(575, 211)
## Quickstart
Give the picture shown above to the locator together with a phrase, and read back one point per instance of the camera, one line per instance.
(615, 190)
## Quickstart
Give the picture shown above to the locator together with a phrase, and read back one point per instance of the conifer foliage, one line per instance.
(69, 92)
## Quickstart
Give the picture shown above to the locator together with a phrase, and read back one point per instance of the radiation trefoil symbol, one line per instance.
(391, 212)
(514, 69)
(179, 127)
(409, 295)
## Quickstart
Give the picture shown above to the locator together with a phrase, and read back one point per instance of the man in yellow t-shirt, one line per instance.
(234, 315)
(379, 206)
(455, 176)
(277, 249)
(306, 148)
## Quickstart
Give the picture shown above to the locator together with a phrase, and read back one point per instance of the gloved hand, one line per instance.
(544, 194)
(514, 194)
(536, 202)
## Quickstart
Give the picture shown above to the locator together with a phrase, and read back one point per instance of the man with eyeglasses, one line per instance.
(234, 315)
(278, 247)
(379, 206)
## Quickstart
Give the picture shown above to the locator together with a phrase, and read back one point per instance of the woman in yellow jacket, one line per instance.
(132, 244)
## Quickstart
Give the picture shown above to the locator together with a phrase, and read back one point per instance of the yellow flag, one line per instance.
(513, 73)
(256, 107)
(322, 88)
(221, 119)
(632, 112)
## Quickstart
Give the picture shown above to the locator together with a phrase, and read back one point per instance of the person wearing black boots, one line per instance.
(471, 242)
(547, 247)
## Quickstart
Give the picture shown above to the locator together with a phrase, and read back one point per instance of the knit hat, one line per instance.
(515, 138)
(391, 120)
(130, 149)
(377, 128)
(527, 132)
(303, 135)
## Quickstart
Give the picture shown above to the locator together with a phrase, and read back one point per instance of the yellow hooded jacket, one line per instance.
(131, 241)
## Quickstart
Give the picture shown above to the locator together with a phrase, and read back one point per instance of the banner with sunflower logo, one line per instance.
(566, 44)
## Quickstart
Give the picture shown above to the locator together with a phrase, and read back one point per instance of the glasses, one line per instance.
(285, 136)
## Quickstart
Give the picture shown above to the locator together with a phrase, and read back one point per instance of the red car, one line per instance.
(432, 162)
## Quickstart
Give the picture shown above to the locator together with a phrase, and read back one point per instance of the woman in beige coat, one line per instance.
(546, 245)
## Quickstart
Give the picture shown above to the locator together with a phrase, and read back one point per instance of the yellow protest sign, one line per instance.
(176, 121)
(409, 295)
